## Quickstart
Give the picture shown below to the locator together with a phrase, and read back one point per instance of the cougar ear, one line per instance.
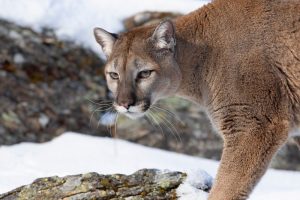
(105, 39)
(164, 35)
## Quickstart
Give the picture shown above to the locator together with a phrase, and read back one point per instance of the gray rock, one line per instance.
(45, 84)
(147, 184)
(146, 18)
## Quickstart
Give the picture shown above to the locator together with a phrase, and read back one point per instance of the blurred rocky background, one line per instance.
(49, 86)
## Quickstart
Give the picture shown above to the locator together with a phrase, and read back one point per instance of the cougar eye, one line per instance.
(144, 74)
(114, 75)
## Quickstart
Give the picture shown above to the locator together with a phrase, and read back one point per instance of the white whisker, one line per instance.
(172, 129)
(100, 103)
(156, 122)
(116, 120)
(169, 112)
(150, 120)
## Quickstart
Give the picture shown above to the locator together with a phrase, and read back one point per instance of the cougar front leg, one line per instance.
(249, 144)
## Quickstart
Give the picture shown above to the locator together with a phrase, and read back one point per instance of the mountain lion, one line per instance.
(240, 59)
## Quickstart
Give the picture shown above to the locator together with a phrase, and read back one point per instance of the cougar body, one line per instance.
(240, 59)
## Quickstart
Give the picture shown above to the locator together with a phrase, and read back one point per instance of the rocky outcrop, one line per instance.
(147, 18)
(45, 84)
(147, 184)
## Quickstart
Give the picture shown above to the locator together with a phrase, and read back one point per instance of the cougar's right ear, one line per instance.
(105, 39)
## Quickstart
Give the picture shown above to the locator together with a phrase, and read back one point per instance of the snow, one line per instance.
(187, 192)
(196, 179)
(73, 153)
(76, 19)
(199, 179)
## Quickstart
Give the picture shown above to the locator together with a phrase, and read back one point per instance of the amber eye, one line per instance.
(114, 75)
(144, 74)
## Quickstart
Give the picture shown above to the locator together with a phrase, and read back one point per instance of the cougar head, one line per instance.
(141, 66)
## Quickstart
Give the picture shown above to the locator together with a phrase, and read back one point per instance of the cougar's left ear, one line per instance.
(164, 35)
(105, 39)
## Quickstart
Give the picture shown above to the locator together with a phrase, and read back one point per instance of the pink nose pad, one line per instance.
(125, 105)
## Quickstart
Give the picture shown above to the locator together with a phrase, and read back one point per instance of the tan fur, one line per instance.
(238, 58)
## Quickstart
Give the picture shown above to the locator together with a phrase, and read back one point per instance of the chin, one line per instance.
(135, 115)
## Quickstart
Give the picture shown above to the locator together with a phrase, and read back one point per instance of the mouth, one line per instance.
(134, 112)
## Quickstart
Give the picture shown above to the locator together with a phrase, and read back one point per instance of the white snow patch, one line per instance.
(199, 179)
(187, 192)
(193, 186)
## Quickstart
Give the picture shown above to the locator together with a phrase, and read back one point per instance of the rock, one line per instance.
(146, 18)
(147, 184)
(45, 86)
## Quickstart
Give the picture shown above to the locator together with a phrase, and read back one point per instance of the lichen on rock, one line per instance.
(147, 184)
